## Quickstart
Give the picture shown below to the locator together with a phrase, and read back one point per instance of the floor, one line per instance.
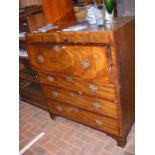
(64, 137)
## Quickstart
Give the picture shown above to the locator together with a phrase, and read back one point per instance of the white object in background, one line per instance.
(22, 34)
(99, 14)
(45, 28)
(31, 143)
(91, 19)
(109, 16)
(23, 53)
(75, 28)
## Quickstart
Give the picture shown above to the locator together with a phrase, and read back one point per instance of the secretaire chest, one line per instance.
(88, 76)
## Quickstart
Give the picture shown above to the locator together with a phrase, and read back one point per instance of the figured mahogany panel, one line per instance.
(85, 62)
(81, 101)
(104, 90)
(97, 121)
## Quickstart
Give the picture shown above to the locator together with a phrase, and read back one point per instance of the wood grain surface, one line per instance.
(36, 21)
(57, 10)
(97, 121)
(81, 101)
(125, 47)
(105, 90)
(91, 34)
(85, 62)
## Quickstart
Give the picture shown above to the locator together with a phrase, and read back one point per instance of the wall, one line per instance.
(126, 7)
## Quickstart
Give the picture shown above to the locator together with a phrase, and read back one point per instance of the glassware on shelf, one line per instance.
(99, 14)
(109, 10)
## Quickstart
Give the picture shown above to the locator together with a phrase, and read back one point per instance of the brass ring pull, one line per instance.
(99, 122)
(76, 110)
(57, 48)
(69, 78)
(55, 93)
(59, 109)
(96, 105)
(93, 88)
(85, 64)
(50, 78)
(40, 58)
(72, 94)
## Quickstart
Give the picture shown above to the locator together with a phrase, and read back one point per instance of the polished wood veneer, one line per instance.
(90, 103)
(97, 121)
(86, 62)
(104, 90)
(88, 75)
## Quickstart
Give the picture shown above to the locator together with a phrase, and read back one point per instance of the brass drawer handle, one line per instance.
(59, 109)
(99, 122)
(40, 58)
(96, 105)
(79, 92)
(72, 94)
(69, 78)
(24, 24)
(84, 64)
(76, 110)
(55, 93)
(57, 48)
(36, 77)
(50, 78)
(93, 88)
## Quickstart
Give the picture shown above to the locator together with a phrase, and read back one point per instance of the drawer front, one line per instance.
(86, 62)
(88, 103)
(105, 90)
(93, 120)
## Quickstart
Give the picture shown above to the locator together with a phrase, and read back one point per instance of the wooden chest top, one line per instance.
(91, 34)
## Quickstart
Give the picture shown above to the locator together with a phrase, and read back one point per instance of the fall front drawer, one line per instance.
(106, 90)
(86, 62)
(82, 101)
(96, 121)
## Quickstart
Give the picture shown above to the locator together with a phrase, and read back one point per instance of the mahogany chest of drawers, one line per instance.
(88, 76)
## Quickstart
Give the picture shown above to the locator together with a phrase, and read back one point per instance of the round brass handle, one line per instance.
(35, 77)
(40, 58)
(69, 78)
(84, 64)
(24, 24)
(59, 109)
(79, 92)
(50, 78)
(99, 122)
(55, 93)
(57, 48)
(93, 88)
(96, 105)
(76, 110)
(72, 94)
